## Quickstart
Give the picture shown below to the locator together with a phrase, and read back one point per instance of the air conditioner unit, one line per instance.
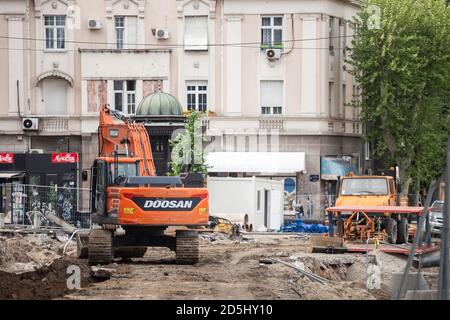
(161, 33)
(30, 124)
(94, 24)
(273, 54)
(36, 151)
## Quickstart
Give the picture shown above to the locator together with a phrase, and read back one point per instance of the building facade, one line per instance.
(61, 59)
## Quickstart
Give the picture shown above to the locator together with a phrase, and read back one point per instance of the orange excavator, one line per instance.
(131, 206)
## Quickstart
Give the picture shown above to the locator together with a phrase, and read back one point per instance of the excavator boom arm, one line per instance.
(125, 137)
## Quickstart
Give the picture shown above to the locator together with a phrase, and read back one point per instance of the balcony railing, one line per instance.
(54, 124)
(271, 124)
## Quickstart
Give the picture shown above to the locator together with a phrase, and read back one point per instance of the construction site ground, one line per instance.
(32, 267)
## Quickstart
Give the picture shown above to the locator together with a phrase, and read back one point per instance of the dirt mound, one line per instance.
(21, 254)
(47, 282)
(309, 290)
(31, 267)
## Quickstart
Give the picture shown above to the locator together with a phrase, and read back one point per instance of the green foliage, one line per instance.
(187, 147)
(403, 68)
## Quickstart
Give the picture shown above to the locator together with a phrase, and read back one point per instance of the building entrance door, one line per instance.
(160, 150)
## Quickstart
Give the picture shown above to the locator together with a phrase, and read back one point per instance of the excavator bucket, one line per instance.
(325, 244)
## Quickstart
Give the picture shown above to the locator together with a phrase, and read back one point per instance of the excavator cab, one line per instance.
(104, 174)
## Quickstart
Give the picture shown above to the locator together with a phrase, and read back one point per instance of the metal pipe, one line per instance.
(416, 238)
(443, 270)
(428, 261)
(310, 275)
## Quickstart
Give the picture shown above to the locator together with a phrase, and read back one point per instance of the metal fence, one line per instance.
(25, 204)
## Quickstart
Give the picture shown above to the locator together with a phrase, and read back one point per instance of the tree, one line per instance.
(187, 147)
(401, 58)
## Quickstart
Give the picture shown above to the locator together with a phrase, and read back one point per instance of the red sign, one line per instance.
(6, 157)
(64, 157)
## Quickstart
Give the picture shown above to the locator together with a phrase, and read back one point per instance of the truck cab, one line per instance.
(367, 190)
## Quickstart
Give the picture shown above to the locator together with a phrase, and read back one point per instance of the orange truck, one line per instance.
(132, 207)
(366, 192)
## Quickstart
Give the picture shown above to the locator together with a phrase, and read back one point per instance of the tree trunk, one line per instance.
(405, 178)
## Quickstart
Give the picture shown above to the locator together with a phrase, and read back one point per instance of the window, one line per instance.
(271, 31)
(126, 31)
(196, 33)
(125, 96)
(361, 186)
(55, 96)
(271, 97)
(55, 37)
(197, 96)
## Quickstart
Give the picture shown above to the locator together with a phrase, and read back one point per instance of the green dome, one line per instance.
(159, 104)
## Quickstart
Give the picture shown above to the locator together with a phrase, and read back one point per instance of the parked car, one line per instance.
(436, 217)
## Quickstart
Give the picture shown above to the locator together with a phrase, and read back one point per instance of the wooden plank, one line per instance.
(320, 241)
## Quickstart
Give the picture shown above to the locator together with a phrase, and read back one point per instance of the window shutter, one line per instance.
(131, 32)
(196, 33)
(55, 96)
(272, 93)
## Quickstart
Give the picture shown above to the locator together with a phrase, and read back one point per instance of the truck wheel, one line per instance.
(391, 229)
(402, 230)
(100, 247)
(187, 247)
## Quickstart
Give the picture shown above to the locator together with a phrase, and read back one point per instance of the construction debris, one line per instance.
(101, 273)
(21, 254)
(310, 275)
(266, 260)
(299, 226)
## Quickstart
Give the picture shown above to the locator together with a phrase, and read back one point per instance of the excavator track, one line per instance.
(100, 247)
(187, 250)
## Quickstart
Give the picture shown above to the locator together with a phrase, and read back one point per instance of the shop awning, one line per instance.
(11, 175)
(332, 168)
(281, 163)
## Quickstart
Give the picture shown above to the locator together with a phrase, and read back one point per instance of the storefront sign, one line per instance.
(64, 157)
(289, 185)
(6, 157)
